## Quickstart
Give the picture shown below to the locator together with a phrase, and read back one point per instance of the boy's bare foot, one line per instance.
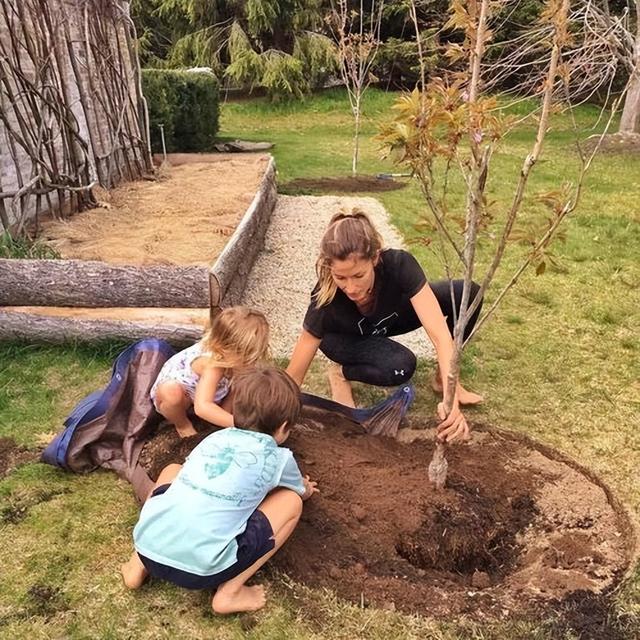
(185, 430)
(340, 387)
(244, 599)
(133, 572)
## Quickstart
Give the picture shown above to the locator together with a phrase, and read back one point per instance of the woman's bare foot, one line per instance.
(186, 429)
(468, 397)
(133, 572)
(464, 396)
(340, 387)
(244, 599)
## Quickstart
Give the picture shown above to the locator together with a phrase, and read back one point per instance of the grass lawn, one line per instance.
(560, 361)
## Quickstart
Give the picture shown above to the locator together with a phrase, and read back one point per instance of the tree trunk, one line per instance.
(630, 119)
(77, 283)
(356, 138)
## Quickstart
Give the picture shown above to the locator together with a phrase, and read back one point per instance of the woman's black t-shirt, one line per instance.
(398, 277)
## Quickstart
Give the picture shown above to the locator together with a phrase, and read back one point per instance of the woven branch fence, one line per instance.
(72, 114)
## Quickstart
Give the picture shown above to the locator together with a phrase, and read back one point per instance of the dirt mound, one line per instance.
(614, 143)
(516, 527)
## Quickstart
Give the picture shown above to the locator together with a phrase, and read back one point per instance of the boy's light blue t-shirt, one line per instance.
(193, 525)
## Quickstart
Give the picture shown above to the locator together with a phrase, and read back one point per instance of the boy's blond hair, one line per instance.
(348, 234)
(237, 336)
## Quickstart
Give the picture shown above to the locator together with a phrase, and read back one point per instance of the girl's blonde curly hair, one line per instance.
(237, 337)
(348, 234)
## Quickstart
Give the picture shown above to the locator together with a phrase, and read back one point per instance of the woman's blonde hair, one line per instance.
(348, 234)
(237, 336)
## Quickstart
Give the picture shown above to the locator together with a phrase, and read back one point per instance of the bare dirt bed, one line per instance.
(517, 528)
(12, 455)
(357, 184)
(185, 217)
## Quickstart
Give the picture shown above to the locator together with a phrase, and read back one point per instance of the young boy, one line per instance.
(214, 521)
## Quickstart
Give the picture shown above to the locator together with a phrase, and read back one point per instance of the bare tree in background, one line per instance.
(601, 43)
(357, 33)
(454, 125)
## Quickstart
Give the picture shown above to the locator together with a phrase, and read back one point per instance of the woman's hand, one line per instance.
(453, 426)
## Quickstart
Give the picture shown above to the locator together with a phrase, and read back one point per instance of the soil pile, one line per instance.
(514, 528)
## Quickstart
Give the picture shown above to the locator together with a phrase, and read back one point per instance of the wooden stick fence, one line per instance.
(72, 113)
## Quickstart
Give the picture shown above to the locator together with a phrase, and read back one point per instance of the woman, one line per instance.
(366, 293)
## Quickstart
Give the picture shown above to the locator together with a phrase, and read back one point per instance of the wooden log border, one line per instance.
(32, 327)
(78, 283)
(228, 276)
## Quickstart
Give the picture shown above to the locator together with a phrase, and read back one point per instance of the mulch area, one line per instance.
(356, 184)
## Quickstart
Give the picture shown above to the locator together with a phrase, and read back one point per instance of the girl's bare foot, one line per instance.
(133, 572)
(340, 387)
(244, 599)
(185, 430)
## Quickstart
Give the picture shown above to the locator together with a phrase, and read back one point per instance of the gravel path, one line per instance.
(284, 274)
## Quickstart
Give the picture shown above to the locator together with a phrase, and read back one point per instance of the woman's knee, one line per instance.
(401, 368)
(394, 369)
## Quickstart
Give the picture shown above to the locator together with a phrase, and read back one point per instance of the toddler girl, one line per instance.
(201, 374)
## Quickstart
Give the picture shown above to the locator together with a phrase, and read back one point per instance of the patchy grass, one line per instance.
(560, 361)
(25, 248)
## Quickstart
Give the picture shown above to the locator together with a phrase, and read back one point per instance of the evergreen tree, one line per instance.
(272, 44)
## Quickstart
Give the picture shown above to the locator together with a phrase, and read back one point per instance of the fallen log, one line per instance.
(83, 283)
(38, 327)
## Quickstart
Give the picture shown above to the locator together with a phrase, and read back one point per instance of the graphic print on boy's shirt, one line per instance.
(224, 461)
(225, 458)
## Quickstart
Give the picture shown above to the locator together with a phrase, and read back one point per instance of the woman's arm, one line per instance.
(430, 315)
(204, 404)
(302, 355)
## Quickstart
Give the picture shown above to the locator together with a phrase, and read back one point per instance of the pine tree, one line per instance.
(271, 44)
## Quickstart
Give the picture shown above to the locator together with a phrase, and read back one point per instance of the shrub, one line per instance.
(186, 103)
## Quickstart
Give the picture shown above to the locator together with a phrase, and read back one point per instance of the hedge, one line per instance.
(186, 103)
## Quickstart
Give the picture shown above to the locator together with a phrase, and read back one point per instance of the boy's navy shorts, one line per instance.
(253, 543)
